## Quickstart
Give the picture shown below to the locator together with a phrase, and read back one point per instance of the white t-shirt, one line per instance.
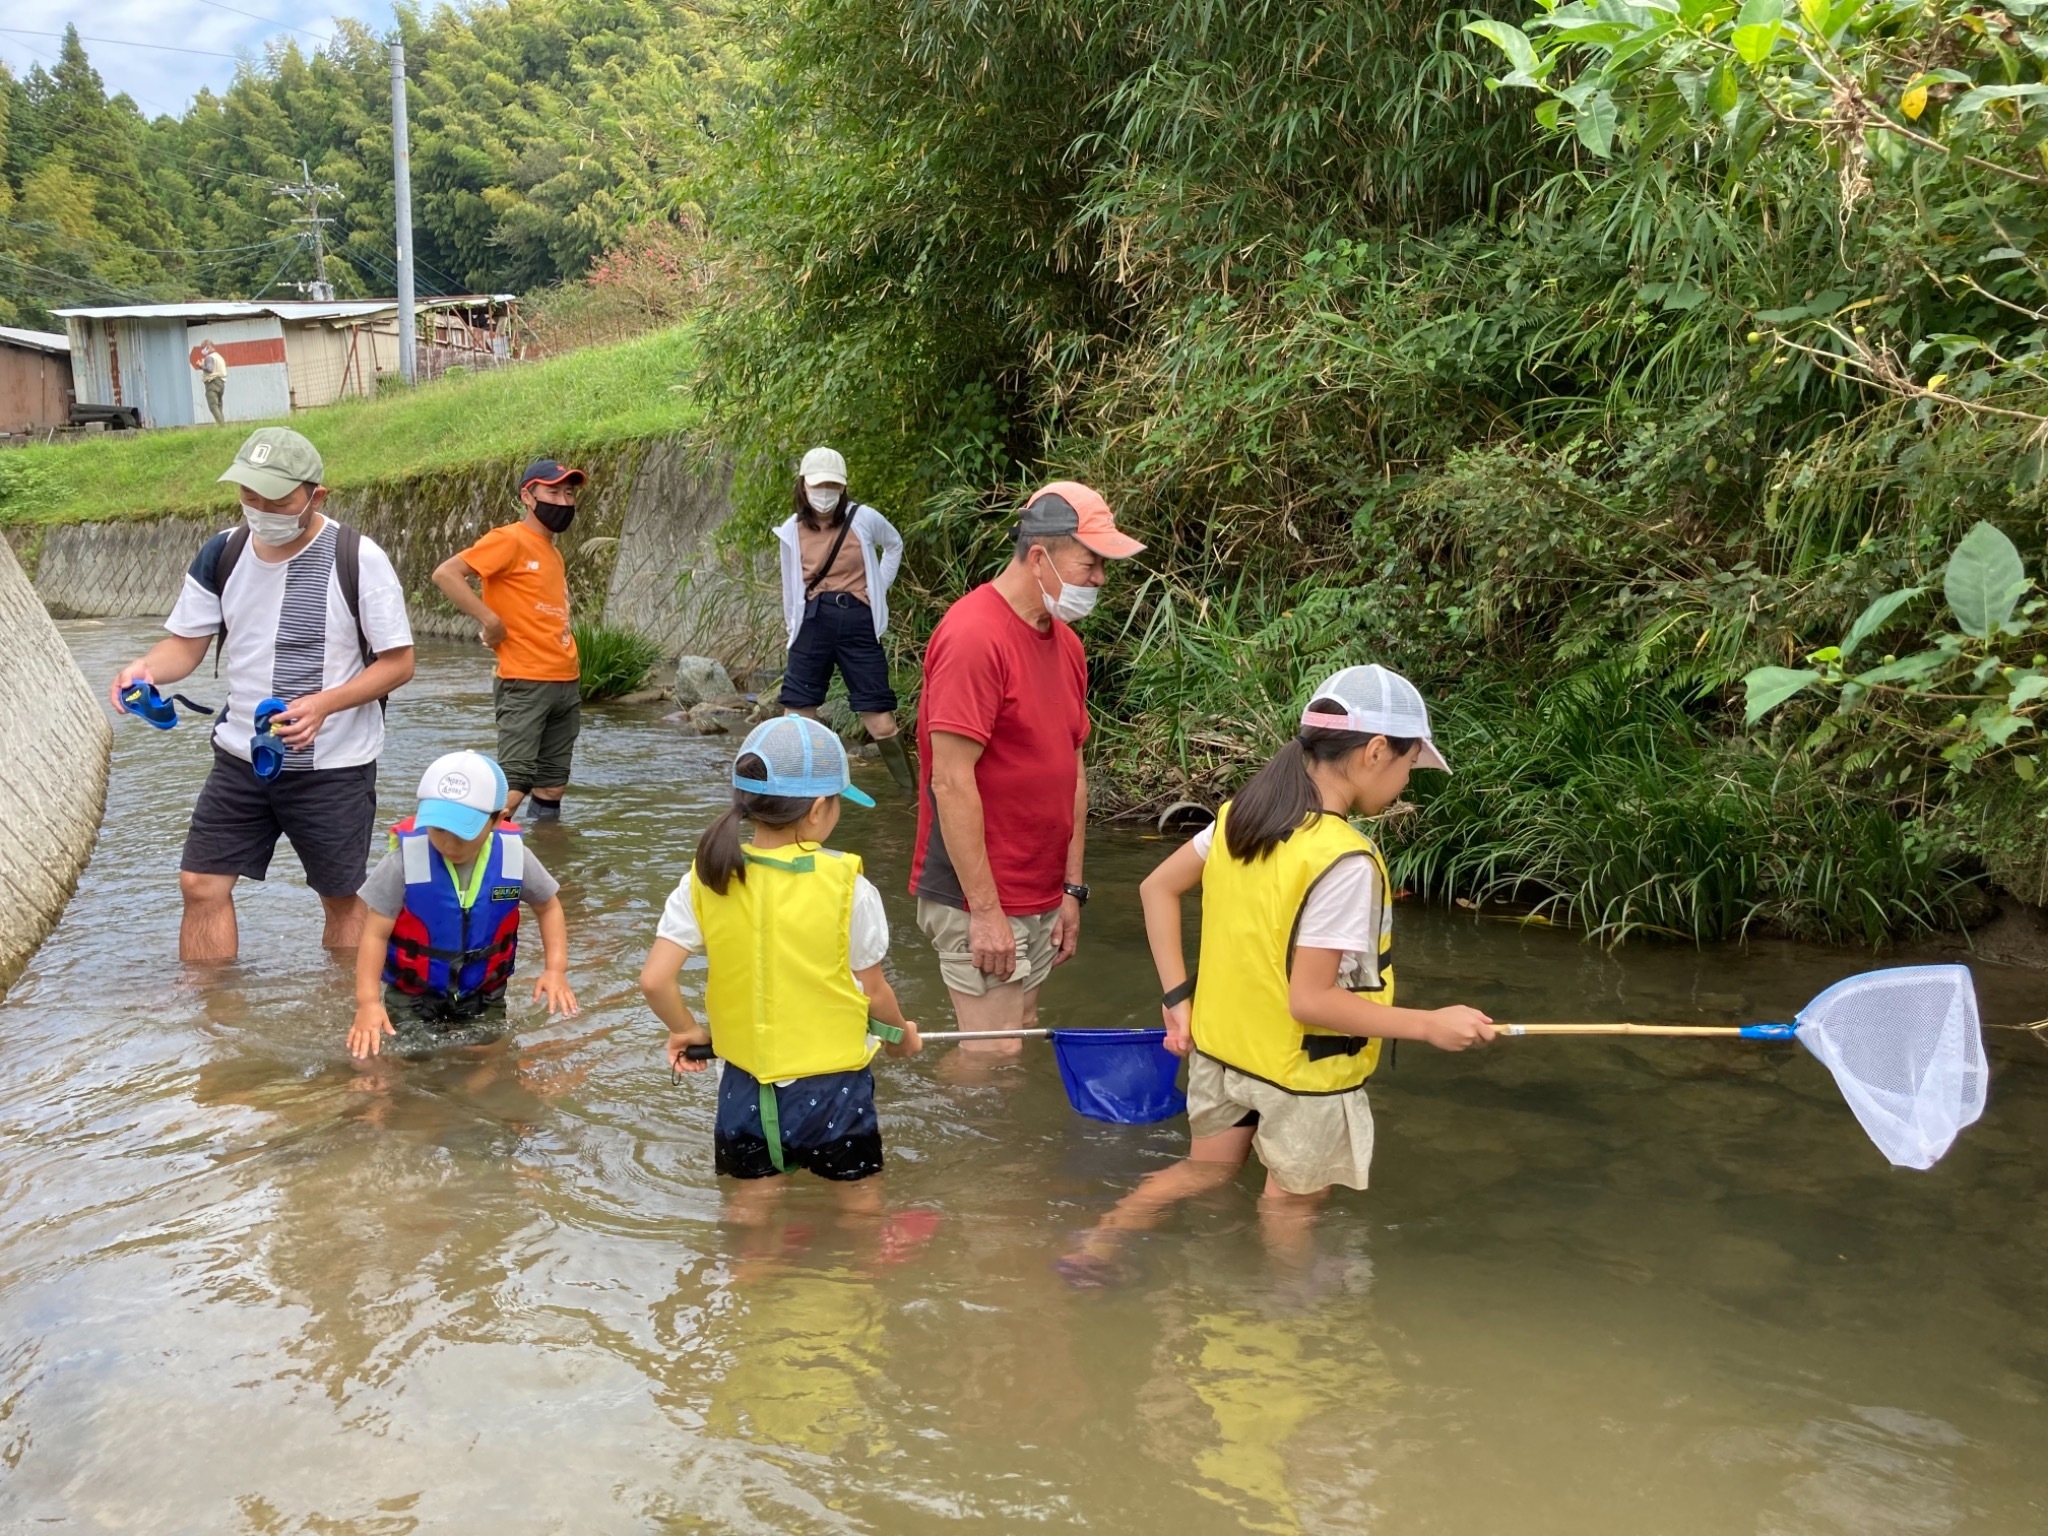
(1344, 912)
(290, 634)
(868, 931)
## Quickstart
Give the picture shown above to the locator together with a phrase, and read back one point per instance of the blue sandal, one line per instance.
(266, 752)
(142, 700)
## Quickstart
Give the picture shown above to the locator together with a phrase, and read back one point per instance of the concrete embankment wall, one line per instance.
(53, 770)
(643, 553)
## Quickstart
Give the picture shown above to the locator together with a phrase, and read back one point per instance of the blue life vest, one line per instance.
(451, 946)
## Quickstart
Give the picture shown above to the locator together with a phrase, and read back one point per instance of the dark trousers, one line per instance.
(838, 631)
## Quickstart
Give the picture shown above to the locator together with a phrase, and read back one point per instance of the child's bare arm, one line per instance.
(658, 984)
(553, 986)
(883, 1005)
(372, 1023)
(1178, 873)
(1314, 997)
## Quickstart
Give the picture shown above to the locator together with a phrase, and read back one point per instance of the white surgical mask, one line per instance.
(273, 527)
(823, 498)
(1071, 603)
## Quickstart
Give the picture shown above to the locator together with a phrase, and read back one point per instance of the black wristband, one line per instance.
(1179, 994)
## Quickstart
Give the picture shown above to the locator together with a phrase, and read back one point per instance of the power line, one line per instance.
(216, 4)
(152, 250)
(122, 42)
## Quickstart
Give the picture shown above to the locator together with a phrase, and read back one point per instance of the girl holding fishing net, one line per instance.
(794, 937)
(1297, 976)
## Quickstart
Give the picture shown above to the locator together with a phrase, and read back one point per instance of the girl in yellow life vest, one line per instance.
(793, 936)
(1297, 975)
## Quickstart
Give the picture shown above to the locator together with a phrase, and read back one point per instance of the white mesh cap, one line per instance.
(1908, 1054)
(822, 466)
(804, 760)
(1378, 703)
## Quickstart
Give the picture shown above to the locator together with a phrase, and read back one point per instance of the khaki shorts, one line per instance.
(946, 927)
(1307, 1141)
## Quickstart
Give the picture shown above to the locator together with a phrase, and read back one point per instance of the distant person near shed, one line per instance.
(839, 559)
(313, 635)
(523, 615)
(213, 373)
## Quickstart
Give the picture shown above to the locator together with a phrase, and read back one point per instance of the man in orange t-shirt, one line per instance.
(523, 615)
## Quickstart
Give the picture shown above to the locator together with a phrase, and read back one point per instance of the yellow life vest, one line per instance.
(1250, 916)
(780, 998)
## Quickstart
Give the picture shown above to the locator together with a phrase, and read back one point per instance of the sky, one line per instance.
(161, 81)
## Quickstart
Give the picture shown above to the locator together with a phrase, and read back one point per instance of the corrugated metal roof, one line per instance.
(39, 341)
(229, 309)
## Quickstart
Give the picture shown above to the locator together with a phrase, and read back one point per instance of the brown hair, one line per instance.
(719, 857)
(1282, 797)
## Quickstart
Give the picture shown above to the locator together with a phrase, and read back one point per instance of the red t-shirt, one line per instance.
(1023, 694)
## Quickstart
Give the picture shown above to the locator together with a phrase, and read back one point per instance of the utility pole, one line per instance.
(401, 180)
(308, 192)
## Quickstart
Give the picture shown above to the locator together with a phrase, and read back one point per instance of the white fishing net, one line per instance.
(1906, 1051)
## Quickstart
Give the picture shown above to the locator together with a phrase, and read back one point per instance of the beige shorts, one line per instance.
(946, 927)
(1306, 1141)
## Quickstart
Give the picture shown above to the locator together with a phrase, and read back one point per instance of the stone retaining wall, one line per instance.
(52, 818)
(643, 552)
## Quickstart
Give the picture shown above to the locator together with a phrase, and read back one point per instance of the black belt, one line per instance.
(837, 600)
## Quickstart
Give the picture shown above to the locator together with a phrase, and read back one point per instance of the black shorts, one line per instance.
(828, 1126)
(838, 630)
(328, 814)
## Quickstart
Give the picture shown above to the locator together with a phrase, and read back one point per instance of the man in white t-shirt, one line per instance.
(310, 613)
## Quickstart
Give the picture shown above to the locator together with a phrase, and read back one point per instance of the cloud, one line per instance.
(163, 82)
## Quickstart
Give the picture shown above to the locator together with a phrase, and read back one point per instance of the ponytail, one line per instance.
(1282, 796)
(720, 859)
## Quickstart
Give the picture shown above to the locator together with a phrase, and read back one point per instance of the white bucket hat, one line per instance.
(1376, 703)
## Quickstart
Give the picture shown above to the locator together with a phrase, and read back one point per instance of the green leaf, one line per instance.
(1768, 687)
(1546, 112)
(1875, 617)
(2029, 688)
(1761, 13)
(1984, 95)
(1984, 581)
(1916, 668)
(1510, 40)
(1595, 124)
(1754, 44)
(1782, 316)
(1723, 92)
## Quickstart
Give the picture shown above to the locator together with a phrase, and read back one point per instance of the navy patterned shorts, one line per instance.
(828, 1126)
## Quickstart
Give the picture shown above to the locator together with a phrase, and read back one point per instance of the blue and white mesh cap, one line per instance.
(804, 758)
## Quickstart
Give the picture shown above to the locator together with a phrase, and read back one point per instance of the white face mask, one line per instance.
(273, 527)
(1071, 603)
(823, 498)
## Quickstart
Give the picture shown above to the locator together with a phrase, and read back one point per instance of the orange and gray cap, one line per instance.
(1376, 702)
(1078, 511)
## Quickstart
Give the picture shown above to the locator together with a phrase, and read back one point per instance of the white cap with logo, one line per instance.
(461, 793)
(1376, 702)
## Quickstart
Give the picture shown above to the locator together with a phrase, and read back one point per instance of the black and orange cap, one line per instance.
(548, 472)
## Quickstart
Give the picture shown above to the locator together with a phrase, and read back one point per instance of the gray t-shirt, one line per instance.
(384, 892)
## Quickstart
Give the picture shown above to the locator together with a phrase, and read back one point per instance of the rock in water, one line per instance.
(714, 717)
(699, 678)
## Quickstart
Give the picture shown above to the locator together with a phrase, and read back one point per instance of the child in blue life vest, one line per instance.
(442, 931)
(793, 938)
(1296, 987)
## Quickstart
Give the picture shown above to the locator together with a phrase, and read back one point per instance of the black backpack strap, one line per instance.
(348, 575)
(212, 567)
(832, 554)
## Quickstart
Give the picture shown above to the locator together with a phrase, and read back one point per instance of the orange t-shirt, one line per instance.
(526, 585)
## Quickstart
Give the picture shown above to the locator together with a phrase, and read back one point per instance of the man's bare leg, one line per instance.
(206, 933)
(344, 928)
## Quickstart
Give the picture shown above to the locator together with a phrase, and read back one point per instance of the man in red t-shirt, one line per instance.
(1003, 815)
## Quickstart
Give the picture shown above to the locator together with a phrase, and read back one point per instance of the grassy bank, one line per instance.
(564, 405)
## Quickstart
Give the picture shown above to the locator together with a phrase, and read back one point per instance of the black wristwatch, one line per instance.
(1078, 892)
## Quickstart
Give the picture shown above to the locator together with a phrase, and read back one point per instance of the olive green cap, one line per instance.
(275, 461)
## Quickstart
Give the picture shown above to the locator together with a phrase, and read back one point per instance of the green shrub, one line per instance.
(615, 661)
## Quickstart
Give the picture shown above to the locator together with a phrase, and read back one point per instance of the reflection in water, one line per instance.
(1614, 1288)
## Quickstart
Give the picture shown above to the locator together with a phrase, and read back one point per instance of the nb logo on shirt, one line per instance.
(533, 565)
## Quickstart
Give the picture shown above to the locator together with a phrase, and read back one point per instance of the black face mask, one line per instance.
(554, 516)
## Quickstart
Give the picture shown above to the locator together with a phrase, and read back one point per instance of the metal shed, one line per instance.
(35, 380)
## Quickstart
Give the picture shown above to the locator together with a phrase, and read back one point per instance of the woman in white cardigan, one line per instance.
(839, 559)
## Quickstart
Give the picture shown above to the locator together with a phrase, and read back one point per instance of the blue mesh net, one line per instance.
(1124, 1076)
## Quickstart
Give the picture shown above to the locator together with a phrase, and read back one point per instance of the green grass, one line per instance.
(615, 661)
(563, 405)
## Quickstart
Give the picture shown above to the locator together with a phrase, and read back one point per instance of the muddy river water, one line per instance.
(1599, 1287)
